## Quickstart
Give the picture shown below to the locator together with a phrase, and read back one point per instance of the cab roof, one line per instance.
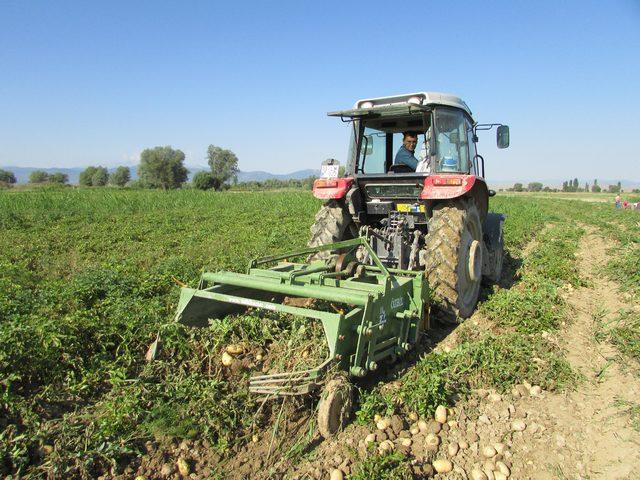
(401, 104)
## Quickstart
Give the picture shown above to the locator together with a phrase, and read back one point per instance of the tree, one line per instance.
(619, 187)
(565, 187)
(575, 184)
(205, 181)
(614, 188)
(517, 187)
(38, 176)
(595, 188)
(120, 176)
(586, 186)
(223, 163)
(162, 167)
(59, 177)
(535, 187)
(100, 177)
(7, 176)
(86, 175)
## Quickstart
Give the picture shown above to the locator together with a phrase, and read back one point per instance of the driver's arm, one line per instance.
(403, 157)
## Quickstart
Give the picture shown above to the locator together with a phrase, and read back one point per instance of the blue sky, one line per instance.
(87, 83)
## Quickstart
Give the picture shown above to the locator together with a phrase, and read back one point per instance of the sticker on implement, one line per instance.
(329, 171)
(408, 207)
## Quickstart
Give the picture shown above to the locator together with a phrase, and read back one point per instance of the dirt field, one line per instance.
(542, 382)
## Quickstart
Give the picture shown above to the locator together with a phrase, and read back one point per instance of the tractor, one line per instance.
(388, 238)
(434, 217)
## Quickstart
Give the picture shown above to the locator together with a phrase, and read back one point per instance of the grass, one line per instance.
(87, 282)
(85, 286)
(632, 409)
(387, 466)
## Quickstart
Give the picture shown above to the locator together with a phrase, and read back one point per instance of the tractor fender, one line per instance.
(331, 188)
(447, 187)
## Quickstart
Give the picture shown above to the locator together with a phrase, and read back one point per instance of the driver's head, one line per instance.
(410, 140)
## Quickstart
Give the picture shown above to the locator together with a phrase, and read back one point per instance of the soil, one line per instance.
(526, 434)
(589, 436)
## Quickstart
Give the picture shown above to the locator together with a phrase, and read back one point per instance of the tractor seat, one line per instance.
(400, 168)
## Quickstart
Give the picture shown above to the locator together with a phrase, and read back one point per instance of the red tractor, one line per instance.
(415, 179)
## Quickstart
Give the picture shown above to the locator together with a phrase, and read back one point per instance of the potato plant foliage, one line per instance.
(87, 282)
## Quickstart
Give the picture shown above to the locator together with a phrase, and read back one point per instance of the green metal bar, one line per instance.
(395, 270)
(375, 259)
(349, 282)
(354, 242)
(307, 271)
(276, 307)
(332, 294)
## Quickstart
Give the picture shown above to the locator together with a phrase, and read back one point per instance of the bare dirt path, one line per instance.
(589, 436)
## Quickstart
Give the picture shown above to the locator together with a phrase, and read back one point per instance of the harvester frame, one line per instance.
(381, 314)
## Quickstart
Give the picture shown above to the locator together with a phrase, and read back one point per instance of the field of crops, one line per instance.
(88, 281)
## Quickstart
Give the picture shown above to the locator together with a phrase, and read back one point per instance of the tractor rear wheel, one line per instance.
(333, 223)
(453, 257)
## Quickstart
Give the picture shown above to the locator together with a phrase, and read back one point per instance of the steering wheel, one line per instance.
(401, 168)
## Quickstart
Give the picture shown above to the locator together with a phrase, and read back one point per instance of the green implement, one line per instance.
(369, 313)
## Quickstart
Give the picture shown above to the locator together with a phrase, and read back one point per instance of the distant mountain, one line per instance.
(22, 173)
(259, 176)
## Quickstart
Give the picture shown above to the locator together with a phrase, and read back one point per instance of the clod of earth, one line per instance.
(432, 441)
(535, 390)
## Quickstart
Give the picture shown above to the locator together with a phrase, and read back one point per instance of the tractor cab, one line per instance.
(444, 131)
(447, 164)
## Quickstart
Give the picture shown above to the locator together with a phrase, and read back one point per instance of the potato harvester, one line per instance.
(369, 313)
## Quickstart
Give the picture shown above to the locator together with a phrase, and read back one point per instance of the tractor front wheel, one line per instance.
(453, 257)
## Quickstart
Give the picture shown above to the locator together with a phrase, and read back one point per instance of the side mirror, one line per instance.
(502, 136)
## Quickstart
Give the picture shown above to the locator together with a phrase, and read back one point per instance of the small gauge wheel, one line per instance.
(334, 409)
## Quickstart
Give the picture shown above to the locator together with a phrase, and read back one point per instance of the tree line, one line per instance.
(160, 167)
(567, 186)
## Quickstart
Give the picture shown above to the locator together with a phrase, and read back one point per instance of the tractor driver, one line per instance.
(405, 155)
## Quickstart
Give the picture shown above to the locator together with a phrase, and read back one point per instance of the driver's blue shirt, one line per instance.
(405, 157)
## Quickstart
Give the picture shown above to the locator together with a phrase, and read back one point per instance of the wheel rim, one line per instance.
(471, 265)
(475, 261)
(335, 407)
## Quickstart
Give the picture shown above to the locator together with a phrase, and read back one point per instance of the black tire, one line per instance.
(333, 223)
(493, 255)
(453, 258)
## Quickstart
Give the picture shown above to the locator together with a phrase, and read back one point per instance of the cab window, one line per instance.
(452, 151)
